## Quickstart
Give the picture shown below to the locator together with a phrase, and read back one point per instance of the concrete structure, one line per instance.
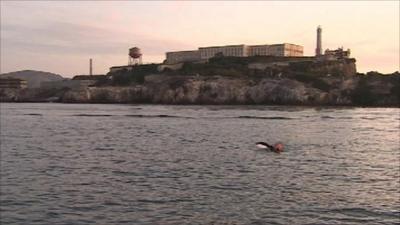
(336, 54)
(228, 50)
(205, 53)
(90, 77)
(318, 49)
(175, 66)
(119, 68)
(67, 83)
(13, 83)
(77, 82)
(276, 50)
(182, 56)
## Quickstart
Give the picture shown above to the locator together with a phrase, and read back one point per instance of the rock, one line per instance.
(226, 90)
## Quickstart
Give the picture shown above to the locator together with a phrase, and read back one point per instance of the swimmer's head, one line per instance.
(278, 147)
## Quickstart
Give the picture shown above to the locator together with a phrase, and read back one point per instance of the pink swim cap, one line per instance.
(278, 147)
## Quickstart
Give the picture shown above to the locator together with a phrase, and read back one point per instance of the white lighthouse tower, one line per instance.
(318, 50)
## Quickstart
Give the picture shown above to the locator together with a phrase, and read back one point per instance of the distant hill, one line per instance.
(34, 78)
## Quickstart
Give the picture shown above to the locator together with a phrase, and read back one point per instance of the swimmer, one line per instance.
(278, 147)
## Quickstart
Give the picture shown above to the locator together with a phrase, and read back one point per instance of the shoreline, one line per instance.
(222, 90)
(205, 105)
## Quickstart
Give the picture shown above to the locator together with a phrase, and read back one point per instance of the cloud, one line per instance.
(72, 38)
(70, 31)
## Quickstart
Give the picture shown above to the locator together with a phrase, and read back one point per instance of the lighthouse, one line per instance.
(318, 50)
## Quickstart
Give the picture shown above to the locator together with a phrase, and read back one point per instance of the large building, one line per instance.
(276, 50)
(182, 56)
(204, 53)
(228, 50)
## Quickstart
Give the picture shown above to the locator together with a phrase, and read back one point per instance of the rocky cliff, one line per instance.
(233, 80)
(223, 90)
(162, 89)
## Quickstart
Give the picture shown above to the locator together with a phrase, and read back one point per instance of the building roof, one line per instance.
(285, 44)
(223, 46)
(183, 51)
(126, 66)
(88, 77)
(258, 45)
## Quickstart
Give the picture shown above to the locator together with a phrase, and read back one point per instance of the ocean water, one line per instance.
(153, 164)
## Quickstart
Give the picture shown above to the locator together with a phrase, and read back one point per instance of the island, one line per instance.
(268, 80)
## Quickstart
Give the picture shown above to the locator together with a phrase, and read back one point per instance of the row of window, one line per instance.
(208, 53)
(228, 52)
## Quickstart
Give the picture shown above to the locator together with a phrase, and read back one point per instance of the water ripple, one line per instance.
(113, 164)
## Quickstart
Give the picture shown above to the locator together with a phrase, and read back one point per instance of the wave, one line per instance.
(265, 117)
(227, 187)
(339, 118)
(349, 118)
(364, 212)
(371, 118)
(163, 201)
(327, 117)
(155, 116)
(133, 115)
(33, 114)
(92, 115)
(103, 149)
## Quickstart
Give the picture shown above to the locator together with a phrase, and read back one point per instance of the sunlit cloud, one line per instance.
(33, 32)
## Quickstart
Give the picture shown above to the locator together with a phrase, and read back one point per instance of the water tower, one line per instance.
(135, 56)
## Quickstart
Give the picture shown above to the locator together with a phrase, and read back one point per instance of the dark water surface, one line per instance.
(143, 164)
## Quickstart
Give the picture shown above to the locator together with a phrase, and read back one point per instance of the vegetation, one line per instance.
(126, 77)
(371, 88)
(362, 94)
(103, 81)
(376, 74)
(300, 66)
(321, 84)
(313, 80)
(365, 93)
(223, 66)
(43, 93)
(395, 90)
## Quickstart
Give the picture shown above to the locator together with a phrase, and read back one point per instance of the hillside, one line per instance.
(359, 90)
(34, 78)
(233, 81)
(242, 67)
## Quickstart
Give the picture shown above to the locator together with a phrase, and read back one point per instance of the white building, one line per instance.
(228, 50)
(276, 50)
(205, 53)
(182, 56)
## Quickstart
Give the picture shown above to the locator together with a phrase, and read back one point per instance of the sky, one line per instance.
(61, 36)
